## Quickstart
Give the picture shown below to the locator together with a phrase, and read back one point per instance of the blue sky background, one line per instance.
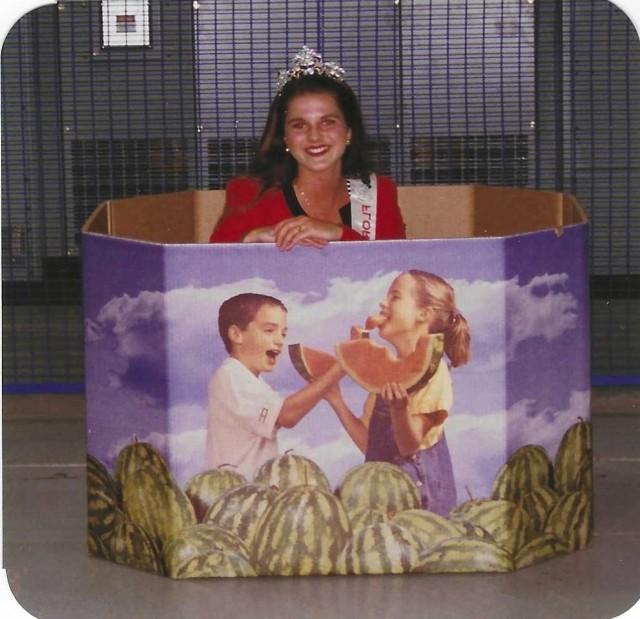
(525, 299)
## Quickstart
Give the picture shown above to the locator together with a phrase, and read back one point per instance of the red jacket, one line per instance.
(271, 207)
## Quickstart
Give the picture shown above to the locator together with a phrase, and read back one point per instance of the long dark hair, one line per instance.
(273, 166)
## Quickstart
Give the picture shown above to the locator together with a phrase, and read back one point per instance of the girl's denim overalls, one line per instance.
(430, 468)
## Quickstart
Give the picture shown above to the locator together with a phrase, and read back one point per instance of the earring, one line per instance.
(348, 141)
(286, 150)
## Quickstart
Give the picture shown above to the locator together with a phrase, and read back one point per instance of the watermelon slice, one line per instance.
(309, 362)
(372, 365)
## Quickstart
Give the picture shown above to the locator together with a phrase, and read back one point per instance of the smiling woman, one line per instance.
(311, 182)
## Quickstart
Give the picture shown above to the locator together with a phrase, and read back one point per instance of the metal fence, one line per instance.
(528, 93)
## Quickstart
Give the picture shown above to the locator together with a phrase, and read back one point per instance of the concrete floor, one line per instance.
(52, 577)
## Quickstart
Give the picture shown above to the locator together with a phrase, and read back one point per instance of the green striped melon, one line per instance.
(137, 456)
(365, 517)
(98, 471)
(465, 555)
(302, 532)
(379, 485)
(239, 509)
(527, 468)
(102, 498)
(383, 548)
(575, 446)
(571, 520)
(429, 528)
(96, 546)
(204, 488)
(157, 504)
(310, 363)
(538, 504)
(291, 470)
(584, 479)
(475, 531)
(505, 521)
(206, 551)
(131, 545)
(540, 548)
(215, 565)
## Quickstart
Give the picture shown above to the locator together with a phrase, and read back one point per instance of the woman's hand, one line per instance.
(305, 230)
(260, 235)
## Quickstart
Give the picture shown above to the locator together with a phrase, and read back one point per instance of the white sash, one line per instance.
(364, 202)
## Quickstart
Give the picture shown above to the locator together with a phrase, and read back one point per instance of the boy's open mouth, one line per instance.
(273, 353)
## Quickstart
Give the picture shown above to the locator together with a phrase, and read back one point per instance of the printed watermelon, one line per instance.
(310, 363)
(239, 509)
(573, 459)
(464, 555)
(429, 529)
(157, 504)
(302, 532)
(204, 488)
(102, 498)
(372, 365)
(383, 548)
(381, 486)
(131, 545)
(528, 468)
(507, 523)
(291, 470)
(206, 551)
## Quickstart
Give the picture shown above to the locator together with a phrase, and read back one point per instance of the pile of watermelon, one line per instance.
(287, 521)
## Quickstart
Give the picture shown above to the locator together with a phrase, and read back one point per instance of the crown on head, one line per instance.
(309, 62)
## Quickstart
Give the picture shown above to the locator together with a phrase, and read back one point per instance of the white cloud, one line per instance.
(540, 309)
(335, 457)
(478, 445)
(528, 423)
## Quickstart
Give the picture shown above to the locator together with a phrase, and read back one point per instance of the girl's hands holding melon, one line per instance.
(396, 397)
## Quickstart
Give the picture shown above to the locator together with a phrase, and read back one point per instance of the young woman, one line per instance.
(311, 182)
(404, 428)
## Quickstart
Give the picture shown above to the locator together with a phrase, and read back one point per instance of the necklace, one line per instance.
(305, 200)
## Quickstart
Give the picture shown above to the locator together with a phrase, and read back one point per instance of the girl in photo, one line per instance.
(407, 429)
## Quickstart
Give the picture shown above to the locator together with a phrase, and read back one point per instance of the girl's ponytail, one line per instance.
(457, 340)
(437, 294)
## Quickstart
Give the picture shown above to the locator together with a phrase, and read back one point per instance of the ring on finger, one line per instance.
(300, 229)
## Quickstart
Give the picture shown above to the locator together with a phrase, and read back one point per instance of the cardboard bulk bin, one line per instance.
(517, 421)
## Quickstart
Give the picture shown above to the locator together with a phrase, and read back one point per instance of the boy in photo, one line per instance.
(245, 413)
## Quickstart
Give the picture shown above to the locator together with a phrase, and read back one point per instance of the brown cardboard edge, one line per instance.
(419, 218)
(94, 223)
(208, 205)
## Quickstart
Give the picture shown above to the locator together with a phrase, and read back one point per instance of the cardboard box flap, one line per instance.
(208, 207)
(430, 212)
(437, 212)
(504, 211)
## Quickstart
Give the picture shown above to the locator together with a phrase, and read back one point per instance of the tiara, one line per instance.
(309, 62)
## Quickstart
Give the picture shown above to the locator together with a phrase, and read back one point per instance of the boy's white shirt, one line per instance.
(243, 410)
